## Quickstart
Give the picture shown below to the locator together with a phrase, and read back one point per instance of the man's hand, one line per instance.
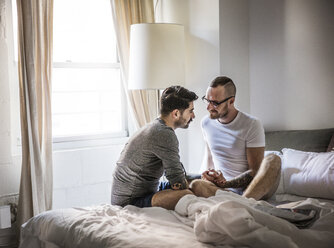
(214, 176)
(178, 186)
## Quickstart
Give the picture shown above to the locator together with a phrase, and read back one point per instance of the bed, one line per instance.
(299, 214)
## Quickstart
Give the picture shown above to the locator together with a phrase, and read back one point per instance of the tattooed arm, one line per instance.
(219, 180)
(254, 159)
(240, 181)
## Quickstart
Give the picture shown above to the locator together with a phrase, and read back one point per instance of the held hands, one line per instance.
(214, 176)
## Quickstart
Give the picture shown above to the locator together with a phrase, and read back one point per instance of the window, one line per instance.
(86, 87)
(88, 101)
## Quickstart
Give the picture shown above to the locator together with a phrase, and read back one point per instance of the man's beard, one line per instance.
(215, 115)
(180, 123)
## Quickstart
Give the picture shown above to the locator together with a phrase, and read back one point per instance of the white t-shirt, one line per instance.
(228, 142)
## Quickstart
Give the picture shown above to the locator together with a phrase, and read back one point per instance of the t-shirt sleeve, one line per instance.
(255, 136)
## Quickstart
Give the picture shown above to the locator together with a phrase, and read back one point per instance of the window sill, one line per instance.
(82, 141)
(87, 141)
(74, 142)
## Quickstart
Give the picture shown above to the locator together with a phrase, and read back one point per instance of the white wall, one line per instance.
(83, 177)
(234, 47)
(217, 43)
(280, 55)
(292, 63)
(201, 21)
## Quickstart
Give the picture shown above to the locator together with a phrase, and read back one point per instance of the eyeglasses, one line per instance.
(215, 104)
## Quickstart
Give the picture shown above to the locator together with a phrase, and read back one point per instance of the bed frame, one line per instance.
(112, 226)
(305, 140)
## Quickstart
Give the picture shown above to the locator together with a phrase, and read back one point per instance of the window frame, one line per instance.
(79, 141)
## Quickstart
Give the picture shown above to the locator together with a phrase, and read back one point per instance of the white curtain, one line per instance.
(144, 103)
(34, 66)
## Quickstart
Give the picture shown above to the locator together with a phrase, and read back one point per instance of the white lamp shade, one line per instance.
(156, 56)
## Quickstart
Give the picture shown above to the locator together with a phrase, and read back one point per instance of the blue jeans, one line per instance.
(146, 201)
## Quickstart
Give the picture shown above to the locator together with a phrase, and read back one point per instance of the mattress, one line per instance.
(224, 220)
(293, 217)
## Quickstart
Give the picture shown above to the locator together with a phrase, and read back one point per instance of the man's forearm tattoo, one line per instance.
(241, 181)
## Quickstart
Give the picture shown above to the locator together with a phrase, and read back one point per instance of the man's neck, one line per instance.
(230, 117)
(168, 121)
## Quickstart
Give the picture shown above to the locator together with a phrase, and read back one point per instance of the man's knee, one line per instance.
(271, 162)
(203, 188)
(168, 198)
(266, 180)
(195, 185)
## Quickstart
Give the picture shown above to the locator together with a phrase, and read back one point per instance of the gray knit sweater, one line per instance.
(149, 153)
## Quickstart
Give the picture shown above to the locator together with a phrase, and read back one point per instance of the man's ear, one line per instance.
(232, 100)
(175, 113)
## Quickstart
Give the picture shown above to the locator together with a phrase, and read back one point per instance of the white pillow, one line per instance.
(278, 153)
(309, 174)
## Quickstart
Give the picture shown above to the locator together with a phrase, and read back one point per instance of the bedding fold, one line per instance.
(224, 220)
(228, 218)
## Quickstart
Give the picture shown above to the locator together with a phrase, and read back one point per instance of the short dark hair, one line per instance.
(227, 83)
(176, 97)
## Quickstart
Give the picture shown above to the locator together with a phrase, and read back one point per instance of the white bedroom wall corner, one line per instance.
(201, 21)
(234, 48)
(203, 63)
(267, 72)
(291, 63)
(175, 11)
(310, 63)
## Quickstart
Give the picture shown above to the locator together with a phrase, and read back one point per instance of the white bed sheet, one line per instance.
(228, 218)
(108, 226)
(224, 220)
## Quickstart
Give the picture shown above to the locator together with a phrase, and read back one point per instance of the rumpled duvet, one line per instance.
(228, 218)
(224, 220)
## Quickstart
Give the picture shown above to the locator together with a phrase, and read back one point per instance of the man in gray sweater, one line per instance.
(152, 152)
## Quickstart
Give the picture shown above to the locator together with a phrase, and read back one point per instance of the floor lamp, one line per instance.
(157, 58)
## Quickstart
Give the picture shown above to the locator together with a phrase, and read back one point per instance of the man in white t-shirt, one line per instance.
(235, 142)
